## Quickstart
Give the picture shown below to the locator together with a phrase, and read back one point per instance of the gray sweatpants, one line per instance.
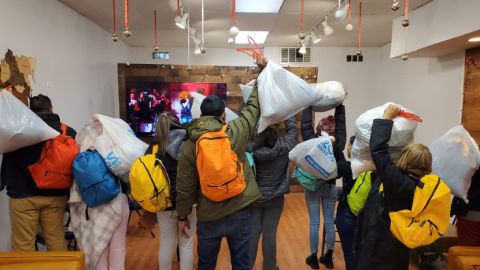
(265, 218)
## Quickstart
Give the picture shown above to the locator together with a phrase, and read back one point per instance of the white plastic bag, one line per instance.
(316, 157)
(118, 145)
(402, 135)
(197, 101)
(334, 95)
(402, 131)
(282, 94)
(456, 158)
(246, 91)
(19, 126)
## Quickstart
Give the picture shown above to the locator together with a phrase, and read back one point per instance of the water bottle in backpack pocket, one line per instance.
(96, 184)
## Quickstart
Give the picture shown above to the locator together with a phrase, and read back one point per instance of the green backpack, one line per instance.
(359, 192)
(307, 180)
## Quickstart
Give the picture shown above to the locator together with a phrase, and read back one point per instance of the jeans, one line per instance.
(169, 233)
(236, 228)
(266, 216)
(26, 214)
(346, 222)
(326, 196)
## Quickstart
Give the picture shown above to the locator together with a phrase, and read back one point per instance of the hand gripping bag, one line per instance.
(316, 157)
(282, 94)
(334, 95)
(402, 134)
(118, 145)
(19, 126)
(197, 101)
(456, 158)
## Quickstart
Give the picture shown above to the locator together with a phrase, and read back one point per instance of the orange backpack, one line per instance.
(54, 169)
(220, 171)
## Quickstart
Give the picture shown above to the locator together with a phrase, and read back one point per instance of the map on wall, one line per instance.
(18, 69)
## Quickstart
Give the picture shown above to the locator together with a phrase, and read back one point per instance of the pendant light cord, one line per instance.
(155, 26)
(203, 22)
(302, 12)
(126, 14)
(349, 11)
(360, 26)
(114, 17)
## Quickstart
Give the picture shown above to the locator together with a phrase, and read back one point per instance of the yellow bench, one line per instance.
(65, 260)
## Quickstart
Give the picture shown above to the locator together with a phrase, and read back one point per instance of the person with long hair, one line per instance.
(375, 247)
(270, 153)
(169, 135)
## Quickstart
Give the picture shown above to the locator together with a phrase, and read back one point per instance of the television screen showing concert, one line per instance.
(146, 100)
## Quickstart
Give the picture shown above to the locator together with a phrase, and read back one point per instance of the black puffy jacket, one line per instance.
(272, 164)
(375, 247)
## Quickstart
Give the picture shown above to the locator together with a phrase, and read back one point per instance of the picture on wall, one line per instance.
(147, 100)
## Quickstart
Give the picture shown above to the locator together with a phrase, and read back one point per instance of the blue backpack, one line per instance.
(97, 185)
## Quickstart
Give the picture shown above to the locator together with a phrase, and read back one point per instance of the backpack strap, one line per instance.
(223, 129)
(431, 195)
(155, 149)
(63, 128)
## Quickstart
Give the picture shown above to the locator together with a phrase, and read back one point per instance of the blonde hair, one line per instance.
(415, 160)
(161, 132)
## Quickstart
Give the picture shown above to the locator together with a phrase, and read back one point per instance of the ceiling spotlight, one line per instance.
(314, 37)
(327, 29)
(359, 52)
(127, 32)
(114, 37)
(302, 35)
(231, 40)
(203, 49)
(181, 22)
(349, 27)
(303, 49)
(405, 57)
(156, 49)
(234, 31)
(197, 49)
(395, 5)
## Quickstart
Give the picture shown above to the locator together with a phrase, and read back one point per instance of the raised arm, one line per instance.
(397, 185)
(340, 127)
(307, 127)
(291, 133)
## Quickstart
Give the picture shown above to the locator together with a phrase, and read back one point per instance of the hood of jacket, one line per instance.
(204, 124)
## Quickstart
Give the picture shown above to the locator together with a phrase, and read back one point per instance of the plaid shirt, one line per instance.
(93, 233)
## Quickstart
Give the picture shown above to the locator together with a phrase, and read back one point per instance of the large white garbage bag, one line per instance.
(316, 157)
(334, 94)
(118, 145)
(19, 126)
(282, 94)
(456, 158)
(402, 135)
(197, 101)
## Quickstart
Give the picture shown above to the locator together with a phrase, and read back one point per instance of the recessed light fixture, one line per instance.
(474, 39)
(255, 6)
(258, 36)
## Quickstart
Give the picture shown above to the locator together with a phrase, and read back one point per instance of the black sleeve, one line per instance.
(291, 136)
(307, 127)
(71, 132)
(340, 127)
(398, 187)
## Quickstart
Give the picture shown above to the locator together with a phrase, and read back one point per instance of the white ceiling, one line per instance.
(283, 27)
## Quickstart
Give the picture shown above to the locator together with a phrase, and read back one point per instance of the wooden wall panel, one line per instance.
(232, 76)
(471, 96)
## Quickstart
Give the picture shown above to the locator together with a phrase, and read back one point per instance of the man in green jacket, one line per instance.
(230, 218)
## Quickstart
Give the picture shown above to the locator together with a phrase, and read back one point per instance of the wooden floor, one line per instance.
(292, 243)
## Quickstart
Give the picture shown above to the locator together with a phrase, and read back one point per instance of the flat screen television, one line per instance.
(146, 100)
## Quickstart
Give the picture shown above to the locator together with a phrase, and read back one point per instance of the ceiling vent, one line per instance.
(291, 55)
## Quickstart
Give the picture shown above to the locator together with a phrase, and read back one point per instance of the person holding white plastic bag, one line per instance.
(326, 195)
(30, 206)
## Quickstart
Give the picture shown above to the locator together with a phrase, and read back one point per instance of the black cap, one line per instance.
(212, 106)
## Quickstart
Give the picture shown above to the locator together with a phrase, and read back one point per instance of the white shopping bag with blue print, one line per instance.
(316, 157)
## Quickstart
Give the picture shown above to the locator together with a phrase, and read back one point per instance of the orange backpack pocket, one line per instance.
(220, 172)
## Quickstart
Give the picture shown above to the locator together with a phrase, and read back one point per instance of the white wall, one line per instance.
(432, 88)
(75, 57)
(75, 64)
